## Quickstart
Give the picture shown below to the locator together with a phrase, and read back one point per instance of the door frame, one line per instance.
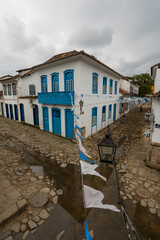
(69, 110)
(52, 109)
(43, 118)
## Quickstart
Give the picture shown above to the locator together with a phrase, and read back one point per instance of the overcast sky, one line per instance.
(124, 34)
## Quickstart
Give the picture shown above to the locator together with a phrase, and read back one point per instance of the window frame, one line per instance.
(44, 84)
(9, 90)
(115, 87)
(111, 86)
(94, 91)
(110, 111)
(5, 89)
(104, 85)
(14, 90)
(56, 82)
(94, 123)
(31, 90)
(104, 114)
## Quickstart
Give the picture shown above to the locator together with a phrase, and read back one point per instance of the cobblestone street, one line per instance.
(28, 198)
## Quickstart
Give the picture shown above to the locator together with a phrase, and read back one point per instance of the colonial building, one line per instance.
(154, 152)
(46, 94)
(126, 90)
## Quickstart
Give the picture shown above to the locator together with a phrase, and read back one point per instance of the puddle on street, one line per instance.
(69, 212)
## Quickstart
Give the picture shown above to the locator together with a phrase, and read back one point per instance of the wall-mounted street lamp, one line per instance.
(107, 150)
(147, 116)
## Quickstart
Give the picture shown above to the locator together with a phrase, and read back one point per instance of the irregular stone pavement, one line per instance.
(18, 184)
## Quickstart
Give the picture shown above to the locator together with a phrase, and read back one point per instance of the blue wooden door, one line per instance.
(56, 121)
(35, 115)
(16, 112)
(69, 123)
(114, 112)
(7, 111)
(2, 110)
(69, 81)
(11, 111)
(45, 119)
(22, 112)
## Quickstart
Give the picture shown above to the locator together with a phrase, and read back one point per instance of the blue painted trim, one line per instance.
(95, 108)
(111, 85)
(43, 80)
(43, 117)
(69, 110)
(83, 157)
(110, 110)
(88, 236)
(7, 110)
(80, 137)
(65, 73)
(79, 129)
(60, 98)
(102, 115)
(94, 74)
(104, 84)
(52, 75)
(115, 88)
(52, 109)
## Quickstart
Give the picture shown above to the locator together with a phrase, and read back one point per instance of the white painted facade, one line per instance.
(125, 85)
(155, 136)
(83, 68)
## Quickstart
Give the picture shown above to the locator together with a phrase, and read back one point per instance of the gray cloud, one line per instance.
(90, 37)
(123, 34)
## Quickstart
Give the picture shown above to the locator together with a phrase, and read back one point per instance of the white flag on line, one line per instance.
(88, 168)
(82, 149)
(93, 199)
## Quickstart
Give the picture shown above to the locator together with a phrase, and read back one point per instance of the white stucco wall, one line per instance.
(155, 136)
(83, 91)
(157, 81)
(125, 85)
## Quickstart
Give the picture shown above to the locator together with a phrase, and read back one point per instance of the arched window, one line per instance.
(94, 83)
(55, 82)
(103, 113)
(111, 86)
(104, 85)
(69, 80)
(9, 89)
(5, 89)
(94, 116)
(14, 89)
(44, 83)
(110, 111)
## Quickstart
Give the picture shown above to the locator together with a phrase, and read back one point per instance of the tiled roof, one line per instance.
(9, 78)
(5, 77)
(66, 55)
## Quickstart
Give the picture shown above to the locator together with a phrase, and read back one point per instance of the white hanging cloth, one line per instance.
(93, 199)
(87, 168)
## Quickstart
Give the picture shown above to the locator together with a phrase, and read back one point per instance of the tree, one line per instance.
(145, 81)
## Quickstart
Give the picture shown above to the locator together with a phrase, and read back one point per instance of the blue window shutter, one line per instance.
(55, 82)
(44, 83)
(115, 90)
(94, 83)
(104, 85)
(110, 111)
(94, 116)
(111, 86)
(103, 113)
(69, 80)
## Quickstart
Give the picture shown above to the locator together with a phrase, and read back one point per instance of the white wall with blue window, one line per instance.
(97, 94)
(92, 83)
